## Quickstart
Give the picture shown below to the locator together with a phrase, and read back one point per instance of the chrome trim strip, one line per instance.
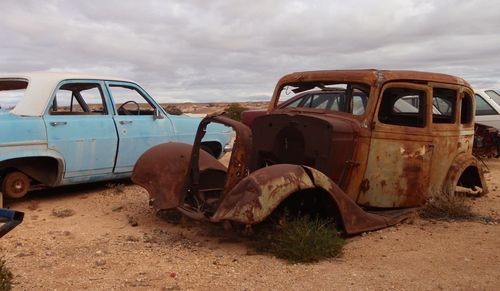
(25, 143)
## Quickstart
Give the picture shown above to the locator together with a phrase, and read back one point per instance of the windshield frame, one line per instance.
(302, 89)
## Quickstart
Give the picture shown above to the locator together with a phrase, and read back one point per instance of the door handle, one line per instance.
(125, 121)
(56, 123)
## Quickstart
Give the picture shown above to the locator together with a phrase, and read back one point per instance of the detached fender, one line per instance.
(255, 197)
(162, 171)
(469, 169)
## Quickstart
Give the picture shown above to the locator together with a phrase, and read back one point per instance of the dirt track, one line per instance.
(98, 248)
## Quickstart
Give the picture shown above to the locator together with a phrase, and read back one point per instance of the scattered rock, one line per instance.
(117, 208)
(132, 221)
(24, 254)
(100, 262)
(34, 205)
(63, 212)
(132, 238)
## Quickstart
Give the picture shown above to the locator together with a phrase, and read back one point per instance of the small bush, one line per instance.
(172, 109)
(447, 206)
(6, 277)
(234, 110)
(304, 240)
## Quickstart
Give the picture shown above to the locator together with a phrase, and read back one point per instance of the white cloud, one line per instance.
(231, 50)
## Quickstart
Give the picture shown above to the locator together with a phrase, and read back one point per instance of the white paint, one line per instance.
(41, 85)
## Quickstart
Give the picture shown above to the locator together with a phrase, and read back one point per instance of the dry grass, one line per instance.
(448, 206)
(6, 277)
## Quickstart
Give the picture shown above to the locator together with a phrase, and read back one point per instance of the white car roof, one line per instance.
(41, 85)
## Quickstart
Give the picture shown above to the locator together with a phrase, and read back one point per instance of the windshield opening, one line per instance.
(341, 97)
(11, 92)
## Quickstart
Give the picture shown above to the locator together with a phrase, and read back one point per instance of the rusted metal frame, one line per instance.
(367, 77)
(239, 162)
(371, 77)
(458, 104)
(472, 116)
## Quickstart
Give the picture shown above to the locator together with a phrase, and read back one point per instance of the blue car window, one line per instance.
(78, 99)
(130, 101)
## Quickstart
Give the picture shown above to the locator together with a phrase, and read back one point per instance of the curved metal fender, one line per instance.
(258, 195)
(462, 162)
(162, 171)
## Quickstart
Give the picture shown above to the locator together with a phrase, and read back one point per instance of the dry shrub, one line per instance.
(172, 109)
(303, 239)
(6, 277)
(448, 206)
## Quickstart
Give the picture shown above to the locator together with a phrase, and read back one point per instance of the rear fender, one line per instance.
(458, 168)
(256, 196)
(34, 162)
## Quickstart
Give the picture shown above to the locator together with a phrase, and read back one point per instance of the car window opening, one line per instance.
(11, 92)
(346, 97)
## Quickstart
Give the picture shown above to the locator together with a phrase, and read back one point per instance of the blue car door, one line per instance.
(81, 128)
(140, 122)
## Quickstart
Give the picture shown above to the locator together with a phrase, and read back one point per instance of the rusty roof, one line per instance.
(370, 76)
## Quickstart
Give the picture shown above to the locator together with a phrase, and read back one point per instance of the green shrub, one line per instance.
(234, 110)
(6, 277)
(447, 206)
(303, 240)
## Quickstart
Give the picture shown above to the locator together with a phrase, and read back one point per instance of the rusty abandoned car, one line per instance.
(372, 149)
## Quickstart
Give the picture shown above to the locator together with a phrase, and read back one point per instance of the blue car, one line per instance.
(60, 129)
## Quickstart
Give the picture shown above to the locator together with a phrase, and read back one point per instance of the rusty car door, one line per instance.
(401, 149)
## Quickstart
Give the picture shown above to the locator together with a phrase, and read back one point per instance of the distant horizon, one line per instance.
(217, 51)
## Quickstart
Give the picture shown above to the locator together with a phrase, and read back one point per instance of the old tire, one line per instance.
(15, 184)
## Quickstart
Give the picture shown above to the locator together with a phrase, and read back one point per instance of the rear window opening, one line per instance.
(11, 92)
(403, 107)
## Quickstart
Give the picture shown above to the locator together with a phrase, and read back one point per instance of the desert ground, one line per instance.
(105, 236)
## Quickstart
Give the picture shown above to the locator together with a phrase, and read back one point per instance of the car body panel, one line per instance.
(487, 110)
(81, 141)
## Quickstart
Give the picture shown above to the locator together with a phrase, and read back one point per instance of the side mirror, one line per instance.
(157, 114)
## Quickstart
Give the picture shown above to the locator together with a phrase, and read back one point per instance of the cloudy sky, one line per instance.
(233, 50)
